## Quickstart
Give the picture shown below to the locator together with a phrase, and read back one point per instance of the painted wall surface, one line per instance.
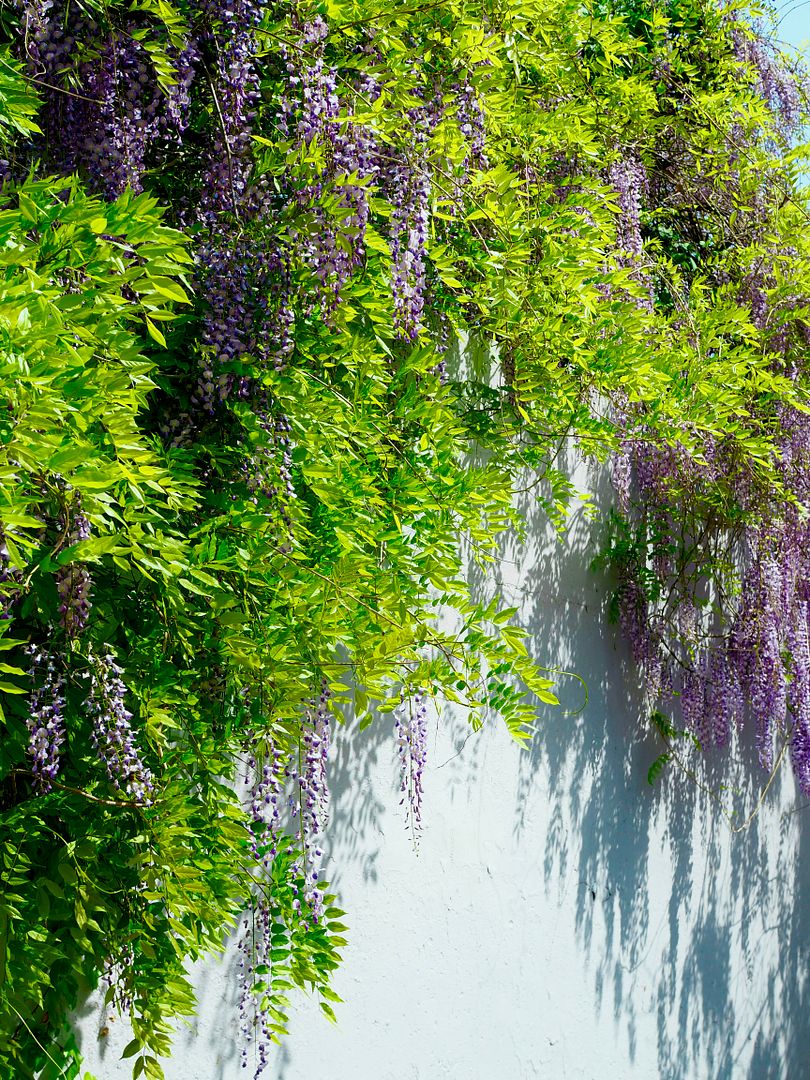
(561, 919)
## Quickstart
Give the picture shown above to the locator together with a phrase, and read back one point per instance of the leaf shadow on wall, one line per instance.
(681, 921)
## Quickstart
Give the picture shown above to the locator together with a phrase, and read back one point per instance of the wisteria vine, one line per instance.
(238, 448)
(712, 567)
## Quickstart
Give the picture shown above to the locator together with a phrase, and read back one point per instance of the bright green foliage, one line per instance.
(226, 623)
(18, 101)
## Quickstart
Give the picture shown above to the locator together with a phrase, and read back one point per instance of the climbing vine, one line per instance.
(248, 251)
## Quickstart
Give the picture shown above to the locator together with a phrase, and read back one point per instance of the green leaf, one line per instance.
(328, 1011)
(155, 334)
(657, 767)
(167, 287)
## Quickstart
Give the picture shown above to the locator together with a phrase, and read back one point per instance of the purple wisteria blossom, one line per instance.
(629, 178)
(108, 125)
(411, 728)
(287, 803)
(472, 124)
(254, 948)
(46, 718)
(332, 242)
(406, 182)
(309, 800)
(10, 580)
(782, 89)
(235, 88)
(111, 731)
(751, 665)
(265, 775)
(73, 581)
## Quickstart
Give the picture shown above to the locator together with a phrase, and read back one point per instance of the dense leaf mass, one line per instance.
(291, 296)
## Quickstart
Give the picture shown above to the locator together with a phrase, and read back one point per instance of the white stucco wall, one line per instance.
(562, 919)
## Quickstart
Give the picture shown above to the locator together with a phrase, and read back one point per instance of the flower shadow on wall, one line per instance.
(677, 917)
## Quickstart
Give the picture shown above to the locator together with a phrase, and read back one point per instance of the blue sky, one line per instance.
(794, 26)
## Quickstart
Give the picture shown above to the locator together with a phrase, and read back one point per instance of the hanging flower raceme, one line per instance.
(243, 269)
(628, 177)
(411, 729)
(287, 802)
(472, 124)
(46, 717)
(265, 775)
(235, 89)
(103, 113)
(111, 730)
(255, 947)
(783, 90)
(309, 800)
(406, 181)
(73, 581)
(10, 581)
(330, 241)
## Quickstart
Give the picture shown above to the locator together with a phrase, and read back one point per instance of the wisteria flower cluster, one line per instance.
(309, 800)
(411, 727)
(712, 564)
(109, 126)
(783, 90)
(265, 776)
(288, 802)
(73, 581)
(725, 640)
(111, 730)
(255, 401)
(47, 730)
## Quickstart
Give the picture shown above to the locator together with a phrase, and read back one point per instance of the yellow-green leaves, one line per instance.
(18, 100)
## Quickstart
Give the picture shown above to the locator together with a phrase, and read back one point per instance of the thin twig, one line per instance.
(86, 794)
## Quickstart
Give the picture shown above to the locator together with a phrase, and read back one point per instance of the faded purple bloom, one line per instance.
(472, 124)
(725, 701)
(73, 581)
(782, 90)
(629, 177)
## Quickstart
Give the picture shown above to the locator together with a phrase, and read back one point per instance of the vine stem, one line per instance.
(226, 140)
(690, 774)
(86, 794)
(34, 1037)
